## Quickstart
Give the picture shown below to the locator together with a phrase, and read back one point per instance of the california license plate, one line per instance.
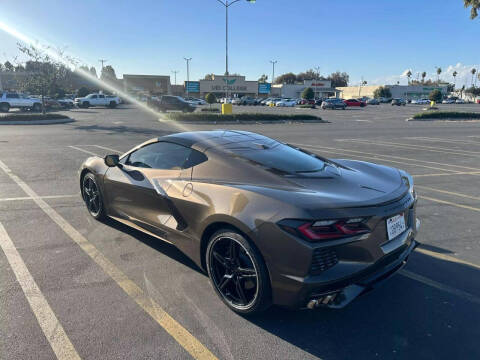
(395, 226)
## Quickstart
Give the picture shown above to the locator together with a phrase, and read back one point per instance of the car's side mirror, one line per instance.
(112, 160)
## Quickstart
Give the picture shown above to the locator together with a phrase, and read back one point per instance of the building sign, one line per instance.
(264, 88)
(192, 86)
(230, 84)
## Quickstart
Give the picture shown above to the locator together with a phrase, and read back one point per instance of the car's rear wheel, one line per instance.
(237, 272)
(85, 104)
(92, 196)
(112, 105)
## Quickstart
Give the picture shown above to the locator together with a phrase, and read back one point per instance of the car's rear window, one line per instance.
(278, 156)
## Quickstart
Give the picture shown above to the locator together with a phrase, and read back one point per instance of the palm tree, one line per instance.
(424, 74)
(454, 79)
(475, 4)
(473, 75)
(439, 71)
(409, 73)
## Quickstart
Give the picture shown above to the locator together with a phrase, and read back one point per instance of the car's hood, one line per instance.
(353, 184)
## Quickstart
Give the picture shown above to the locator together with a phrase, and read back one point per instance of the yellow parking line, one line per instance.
(374, 156)
(193, 346)
(445, 257)
(448, 192)
(51, 327)
(450, 203)
(435, 284)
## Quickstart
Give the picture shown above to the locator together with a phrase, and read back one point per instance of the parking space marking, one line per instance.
(415, 147)
(448, 192)
(374, 156)
(453, 141)
(51, 327)
(83, 150)
(459, 173)
(450, 203)
(435, 284)
(193, 346)
(107, 148)
(445, 257)
(41, 197)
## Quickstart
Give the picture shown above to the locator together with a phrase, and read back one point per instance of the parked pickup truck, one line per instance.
(97, 100)
(9, 100)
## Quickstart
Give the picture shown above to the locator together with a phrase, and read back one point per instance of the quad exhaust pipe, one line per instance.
(324, 300)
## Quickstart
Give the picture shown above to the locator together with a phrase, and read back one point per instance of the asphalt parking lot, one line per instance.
(73, 287)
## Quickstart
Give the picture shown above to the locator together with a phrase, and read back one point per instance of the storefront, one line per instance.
(230, 86)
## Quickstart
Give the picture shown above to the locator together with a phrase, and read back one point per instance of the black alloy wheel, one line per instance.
(92, 196)
(238, 273)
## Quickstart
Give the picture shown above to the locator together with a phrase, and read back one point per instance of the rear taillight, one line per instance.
(326, 229)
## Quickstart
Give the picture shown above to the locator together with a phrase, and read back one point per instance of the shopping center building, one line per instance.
(227, 85)
(322, 88)
(398, 91)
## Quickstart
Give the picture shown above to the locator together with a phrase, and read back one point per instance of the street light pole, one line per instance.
(175, 72)
(102, 61)
(188, 72)
(318, 78)
(273, 73)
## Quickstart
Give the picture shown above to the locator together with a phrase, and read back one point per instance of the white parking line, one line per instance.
(453, 141)
(41, 197)
(83, 150)
(51, 327)
(190, 343)
(107, 148)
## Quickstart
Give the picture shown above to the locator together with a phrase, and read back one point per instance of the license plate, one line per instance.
(395, 226)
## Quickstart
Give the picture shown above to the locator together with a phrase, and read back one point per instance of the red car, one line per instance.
(307, 102)
(355, 102)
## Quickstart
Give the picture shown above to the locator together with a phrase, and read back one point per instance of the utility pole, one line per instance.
(175, 72)
(273, 72)
(318, 77)
(188, 72)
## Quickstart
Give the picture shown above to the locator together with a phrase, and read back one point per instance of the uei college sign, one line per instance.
(234, 84)
(229, 85)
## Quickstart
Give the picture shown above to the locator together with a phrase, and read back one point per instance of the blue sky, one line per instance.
(374, 39)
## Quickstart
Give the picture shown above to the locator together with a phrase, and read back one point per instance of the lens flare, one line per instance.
(45, 48)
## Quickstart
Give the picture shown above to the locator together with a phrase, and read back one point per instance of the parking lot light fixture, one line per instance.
(273, 71)
(188, 72)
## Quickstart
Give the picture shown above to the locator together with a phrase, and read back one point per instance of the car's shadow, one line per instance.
(402, 319)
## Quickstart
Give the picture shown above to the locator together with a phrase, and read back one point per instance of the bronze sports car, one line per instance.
(270, 223)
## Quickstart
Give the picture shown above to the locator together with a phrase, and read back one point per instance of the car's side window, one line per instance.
(165, 156)
(12, 96)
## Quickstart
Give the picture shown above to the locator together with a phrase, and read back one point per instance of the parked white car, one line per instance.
(236, 101)
(9, 100)
(286, 103)
(195, 101)
(448, 101)
(272, 101)
(460, 101)
(97, 100)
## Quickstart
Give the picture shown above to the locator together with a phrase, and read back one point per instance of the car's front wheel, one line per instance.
(92, 196)
(237, 272)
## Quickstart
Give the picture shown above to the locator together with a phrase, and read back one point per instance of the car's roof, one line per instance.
(202, 140)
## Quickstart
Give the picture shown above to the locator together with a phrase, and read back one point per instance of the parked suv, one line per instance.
(247, 100)
(9, 100)
(169, 102)
(333, 104)
(398, 102)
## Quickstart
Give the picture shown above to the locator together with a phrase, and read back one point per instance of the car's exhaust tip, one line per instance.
(321, 301)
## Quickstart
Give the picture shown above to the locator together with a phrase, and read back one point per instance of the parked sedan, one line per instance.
(373, 102)
(398, 102)
(333, 104)
(268, 222)
(195, 101)
(355, 102)
(448, 101)
(286, 103)
(459, 101)
(247, 100)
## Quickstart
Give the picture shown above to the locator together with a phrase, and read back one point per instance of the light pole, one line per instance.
(227, 4)
(102, 61)
(175, 72)
(188, 72)
(273, 73)
(318, 76)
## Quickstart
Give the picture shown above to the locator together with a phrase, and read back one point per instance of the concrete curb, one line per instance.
(245, 122)
(443, 119)
(37, 122)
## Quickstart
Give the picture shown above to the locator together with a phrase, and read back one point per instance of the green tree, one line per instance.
(210, 99)
(308, 93)
(454, 79)
(108, 74)
(473, 91)
(409, 74)
(382, 92)
(209, 77)
(339, 79)
(288, 78)
(473, 71)
(8, 66)
(83, 91)
(310, 74)
(93, 71)
(45, 73)
(475, 4)
(424, 74)
(263, 78)
(435, 95)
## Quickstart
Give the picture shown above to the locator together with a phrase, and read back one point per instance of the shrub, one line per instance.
(199, 116)
(215, 110)
(382, 92)
(308, 94)
(307, 106)
(31, 117)
(210, 98)
(447, 115)
(435, 95)
(83, 91)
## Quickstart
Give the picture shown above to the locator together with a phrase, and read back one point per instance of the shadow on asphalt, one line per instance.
(121, 130)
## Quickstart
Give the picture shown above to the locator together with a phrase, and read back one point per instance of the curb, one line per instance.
(245, 122)
(37, 122)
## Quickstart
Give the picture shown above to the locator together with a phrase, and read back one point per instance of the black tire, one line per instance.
(92, 196)
(112, 105)
(37, 107)
(85, 104)
(4, 107)
(243, 273)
